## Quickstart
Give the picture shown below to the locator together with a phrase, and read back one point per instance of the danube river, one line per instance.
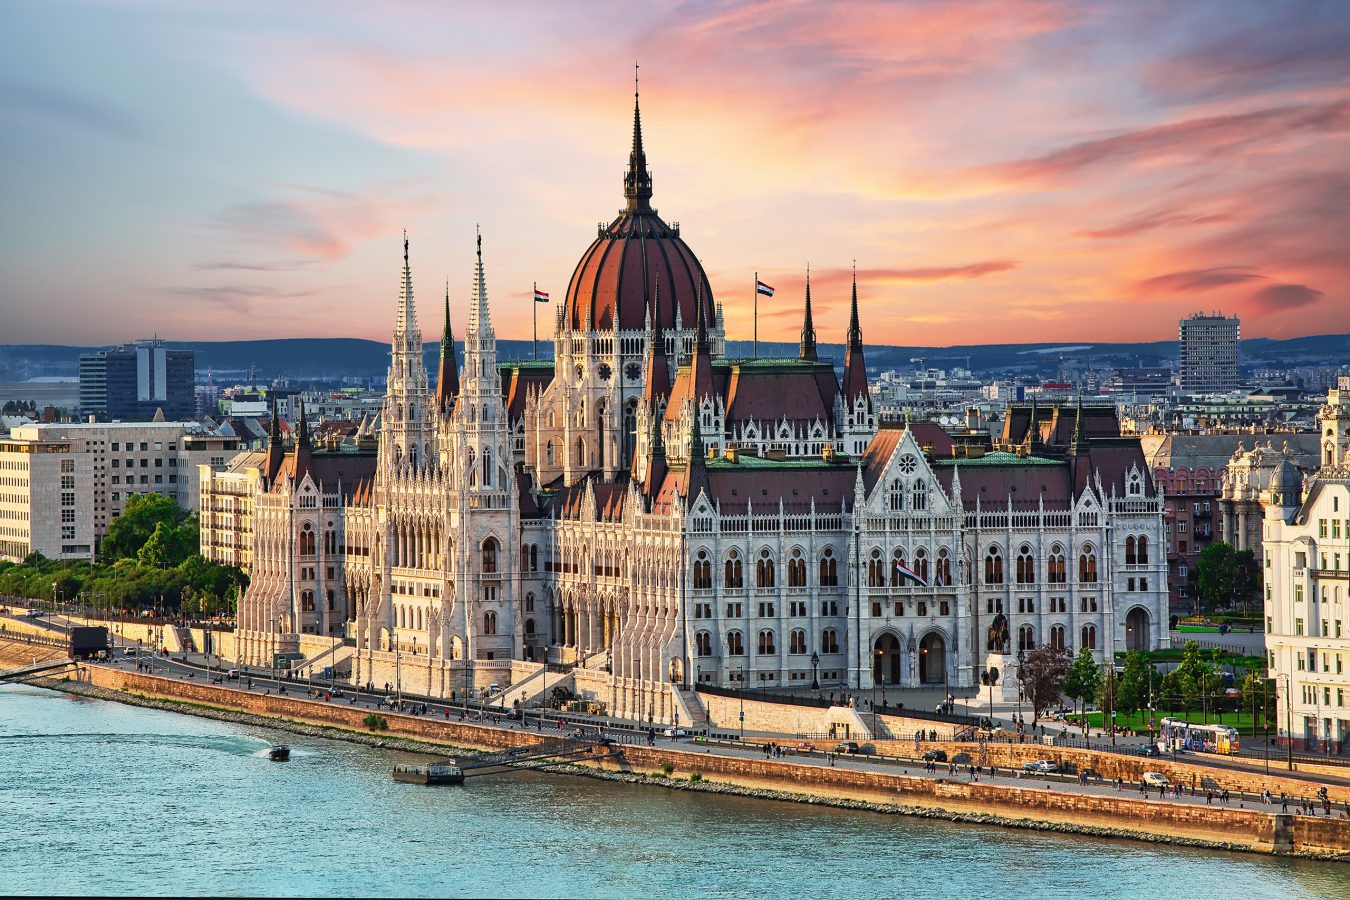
(103, 798)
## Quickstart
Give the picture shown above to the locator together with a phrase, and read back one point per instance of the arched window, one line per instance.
(329, 542)
(797, 641)
(943, 575)
(735, 643)
(702, 571)
(529, 628)
(307, 540)
(419, 618)
(766, 644)
(534, 557)
(1089, 637)
(796, 570)
(921, 564)
(764, 570)
(1087, 565)
(1056, 571)
(548, 453)
(897, 496)
(876, 572)
(307, 601)
(733, 575)
(993, 566)
(829, 641)
(490, 556)
(1129, 551)
(897, 560)
(489, 622)
(1141, 554)
(702, 643)
(829, 570)
(1026, 638)
(529, 602)
(1057, 637)
(332, 600)
(1026, 566)
(581, 452)
(919, 495)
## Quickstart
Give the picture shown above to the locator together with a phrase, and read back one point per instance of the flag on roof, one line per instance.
(907, 572)
(540, 296)
(762, 288)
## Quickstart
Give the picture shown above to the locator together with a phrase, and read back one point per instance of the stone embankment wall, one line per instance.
(782, 718)
(1110, 766)
(1025, 806)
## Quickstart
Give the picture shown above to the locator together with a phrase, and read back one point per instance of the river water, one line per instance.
(100, 798)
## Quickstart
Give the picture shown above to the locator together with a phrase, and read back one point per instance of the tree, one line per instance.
(1083, 678)
(143, 513)
(1132, 686)
(1246, 578)
(1216, 575)
(1043, 675)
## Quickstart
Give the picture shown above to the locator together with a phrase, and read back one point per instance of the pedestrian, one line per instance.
(1284, 802)
(1209, 798)
(1120, 784)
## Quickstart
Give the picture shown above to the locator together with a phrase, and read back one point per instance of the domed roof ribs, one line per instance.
(637, 182)
(855, 369)
(447, 379)
(808, 346)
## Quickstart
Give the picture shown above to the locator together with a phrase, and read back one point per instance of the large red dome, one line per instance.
(620, 272)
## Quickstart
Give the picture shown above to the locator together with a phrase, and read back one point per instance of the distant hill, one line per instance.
(304, 358)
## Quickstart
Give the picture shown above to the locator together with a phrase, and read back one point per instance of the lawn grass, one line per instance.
(1138, 720)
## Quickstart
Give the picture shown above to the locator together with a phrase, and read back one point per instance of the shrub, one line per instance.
(376, 723)
(696, 777)
(668, 768)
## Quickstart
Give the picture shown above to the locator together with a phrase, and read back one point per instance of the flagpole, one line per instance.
(534, 319)
(756, 315)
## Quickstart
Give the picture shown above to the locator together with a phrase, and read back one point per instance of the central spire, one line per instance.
(637, 182)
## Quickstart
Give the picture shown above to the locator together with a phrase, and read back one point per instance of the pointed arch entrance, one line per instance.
(932, 659)
(1137, 629)
(886, 659)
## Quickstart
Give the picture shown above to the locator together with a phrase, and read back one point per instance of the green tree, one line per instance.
(1246, 578)
(1083, 678)
(1132, 686)
(1216, 575)
(142, 515)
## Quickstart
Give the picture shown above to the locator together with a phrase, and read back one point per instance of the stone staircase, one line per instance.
(692, 713)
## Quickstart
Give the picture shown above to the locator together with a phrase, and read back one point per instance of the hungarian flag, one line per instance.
(762, 288)
(540, 296)
(906, 572)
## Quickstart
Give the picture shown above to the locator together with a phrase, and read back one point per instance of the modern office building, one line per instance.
(61, 485)
(134, 381)
(1209, 353)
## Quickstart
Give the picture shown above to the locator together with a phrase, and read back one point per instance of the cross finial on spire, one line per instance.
(405, 245)
(477, 230)
(637, 181)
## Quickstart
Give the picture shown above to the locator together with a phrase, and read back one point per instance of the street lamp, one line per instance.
(740, 677)
(815, 671)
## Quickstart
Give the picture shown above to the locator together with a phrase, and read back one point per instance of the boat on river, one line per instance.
(440, 772)
(279, 753)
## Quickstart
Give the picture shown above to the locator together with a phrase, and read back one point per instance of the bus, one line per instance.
(1178, 734)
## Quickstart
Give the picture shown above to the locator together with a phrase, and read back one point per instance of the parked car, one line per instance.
(1156, 780)
(935, 756)
(676, 733)
(1040, 767)
(806, 747)
(232, 675)
(1149, 750)
(847, 747)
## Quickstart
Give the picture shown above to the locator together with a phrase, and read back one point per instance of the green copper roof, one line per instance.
(997, 458)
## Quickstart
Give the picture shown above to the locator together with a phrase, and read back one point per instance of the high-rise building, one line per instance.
(1209, 353)
(137, 380)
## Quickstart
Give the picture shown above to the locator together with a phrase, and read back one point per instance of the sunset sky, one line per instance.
(1001, 170)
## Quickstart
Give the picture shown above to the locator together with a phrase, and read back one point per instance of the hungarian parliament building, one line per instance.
(646, 515)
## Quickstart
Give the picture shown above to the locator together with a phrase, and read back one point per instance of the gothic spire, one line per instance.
(303, 452)
(447, 379)
(657, 388)
(808, 346)
(637, 182)
(855, 368)
(276, 452)
(480, 321)
(406, 327)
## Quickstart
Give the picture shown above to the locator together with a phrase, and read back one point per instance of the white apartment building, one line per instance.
(62, 484)
(1307, 575)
